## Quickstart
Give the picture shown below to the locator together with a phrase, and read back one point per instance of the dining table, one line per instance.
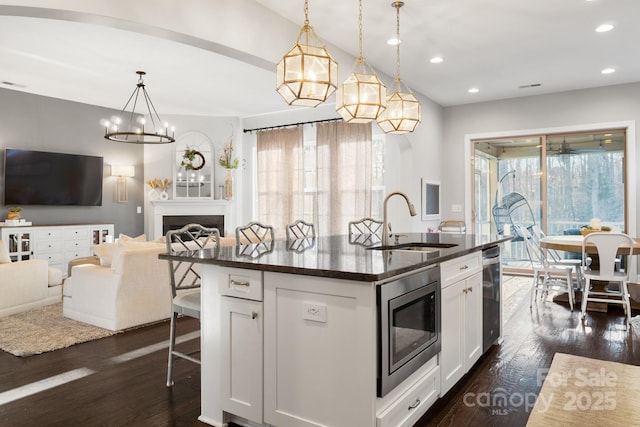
(573, 243)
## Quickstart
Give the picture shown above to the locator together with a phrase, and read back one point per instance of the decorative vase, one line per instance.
(228, 186)
(164, 195)
(153, 194)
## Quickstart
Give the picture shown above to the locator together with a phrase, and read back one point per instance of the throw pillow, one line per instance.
(105, 251)
(4, 253)
(125, 238)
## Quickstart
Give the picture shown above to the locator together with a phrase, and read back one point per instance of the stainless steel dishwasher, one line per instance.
(491, 296)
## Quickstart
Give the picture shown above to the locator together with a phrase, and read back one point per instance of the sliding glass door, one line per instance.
(559, 182)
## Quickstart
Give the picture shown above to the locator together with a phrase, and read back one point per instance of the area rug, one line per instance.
(578, 391)
(44, 329)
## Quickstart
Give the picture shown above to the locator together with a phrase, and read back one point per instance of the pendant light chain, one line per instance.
(398, 46)
(306, 27)
(360, 58)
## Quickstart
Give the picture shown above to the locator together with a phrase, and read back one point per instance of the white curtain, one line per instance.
(344, 175)
(280, 177)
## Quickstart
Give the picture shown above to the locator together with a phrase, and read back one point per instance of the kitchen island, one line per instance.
(290, 333)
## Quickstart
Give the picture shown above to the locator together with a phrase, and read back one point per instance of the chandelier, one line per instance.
(307, 75)
(403, 111)
(135, 130)
(362, 97)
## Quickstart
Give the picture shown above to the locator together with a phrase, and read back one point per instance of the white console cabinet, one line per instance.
(58, 244)
(461, 296)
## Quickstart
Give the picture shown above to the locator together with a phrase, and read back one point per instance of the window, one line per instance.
(341, 180)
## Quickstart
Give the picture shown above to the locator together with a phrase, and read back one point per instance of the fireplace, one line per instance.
(174, 222)
(172, 214)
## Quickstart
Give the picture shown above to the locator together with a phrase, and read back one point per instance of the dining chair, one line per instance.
(607, 247)
(254, 239)
(546, 274)
(301, 236)
(555, 258)
(365, 231)
(185, 282)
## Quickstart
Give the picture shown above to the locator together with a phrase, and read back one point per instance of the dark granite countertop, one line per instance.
(336, 257)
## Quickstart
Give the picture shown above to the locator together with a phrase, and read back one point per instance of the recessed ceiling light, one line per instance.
(604, 28)
(394, 41)
(436, 60)
(474, 90)
(608, 71)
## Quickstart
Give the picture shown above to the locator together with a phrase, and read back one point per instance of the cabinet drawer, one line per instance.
(73, 254)
(460, 268)
(51, 257)
(242, 283)
(48, 234)
(48, 245)
(76, 233)
(76, 244)
(412, 404)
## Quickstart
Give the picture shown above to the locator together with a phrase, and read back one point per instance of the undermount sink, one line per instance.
(415, 247)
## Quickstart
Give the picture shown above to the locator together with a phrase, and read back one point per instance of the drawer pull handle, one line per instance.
(470, 289)
(235, 282)
(254, 314)
(464, 267)
(415, 405)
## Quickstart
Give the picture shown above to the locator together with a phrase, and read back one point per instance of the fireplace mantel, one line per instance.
(160, 208)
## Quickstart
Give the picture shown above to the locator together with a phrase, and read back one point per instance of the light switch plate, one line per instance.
(314, 312)
(456, 208)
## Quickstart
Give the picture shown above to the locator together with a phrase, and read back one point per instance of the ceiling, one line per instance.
(500, 47)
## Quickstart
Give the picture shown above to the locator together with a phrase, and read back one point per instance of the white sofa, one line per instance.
(132, 290)
(25, 285)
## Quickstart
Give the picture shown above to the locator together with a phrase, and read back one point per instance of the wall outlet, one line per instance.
(314, 312)
(139, 209)
(456, 208)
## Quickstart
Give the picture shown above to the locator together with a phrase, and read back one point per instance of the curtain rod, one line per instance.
(293, 124)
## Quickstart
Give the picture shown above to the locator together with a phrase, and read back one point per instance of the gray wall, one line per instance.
(41, 123)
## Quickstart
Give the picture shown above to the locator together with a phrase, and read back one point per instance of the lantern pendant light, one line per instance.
(362, 97)
(403, 111)
(307, 75)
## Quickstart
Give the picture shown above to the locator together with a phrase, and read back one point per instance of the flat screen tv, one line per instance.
(43, 178)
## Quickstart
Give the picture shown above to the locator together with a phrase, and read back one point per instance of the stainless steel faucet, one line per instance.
(385, 224)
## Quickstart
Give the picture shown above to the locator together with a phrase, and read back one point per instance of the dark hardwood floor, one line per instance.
(129, 393)
(516, 368)
(133, 393)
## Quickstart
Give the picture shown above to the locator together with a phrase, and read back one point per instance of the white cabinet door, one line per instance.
(241, 339)
(473, 319)
(452, 359)
(461, 344)
(320, 346)
(18, 241)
